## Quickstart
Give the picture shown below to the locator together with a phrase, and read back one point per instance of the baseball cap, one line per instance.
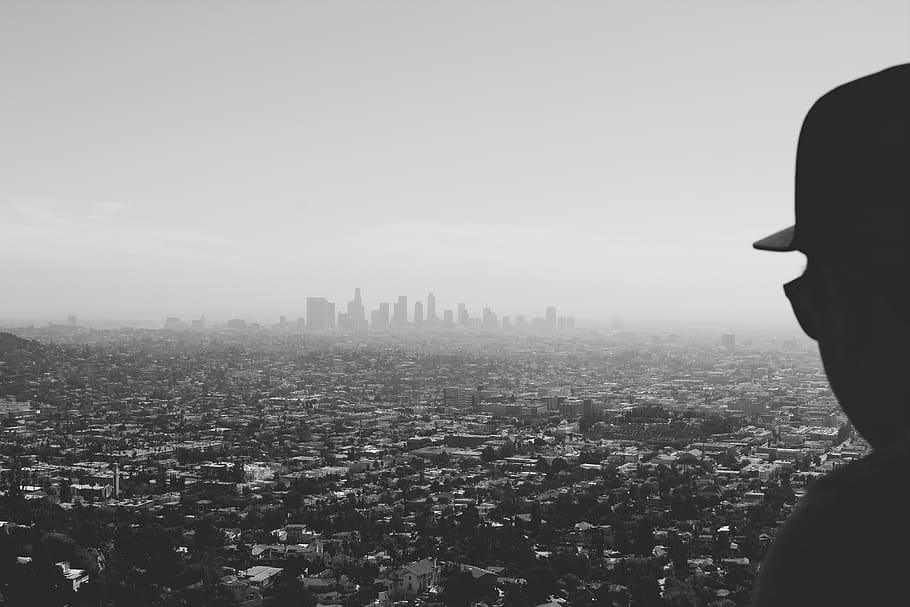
(853, 172)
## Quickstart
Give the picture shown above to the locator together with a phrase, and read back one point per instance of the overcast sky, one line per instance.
(231, 158)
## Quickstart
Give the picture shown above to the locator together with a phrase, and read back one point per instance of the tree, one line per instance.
(558, 465)
(541, 584)
(488, 454)
(585, 423)
(293, 499)
(645, 591)
(597, 544)
(65, 492)
(535, 516)
(207, 535)
(644, 537)
(288, 591)
(461, 589)
(844, 432)
(149, 547)
(679, 593)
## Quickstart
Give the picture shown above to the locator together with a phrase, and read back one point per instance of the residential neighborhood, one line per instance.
(257, 467)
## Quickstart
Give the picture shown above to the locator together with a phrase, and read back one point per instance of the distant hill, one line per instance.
(10, 342)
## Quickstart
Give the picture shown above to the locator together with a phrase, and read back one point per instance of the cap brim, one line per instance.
(779, 241)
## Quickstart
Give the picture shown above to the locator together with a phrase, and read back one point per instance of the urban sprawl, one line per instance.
(399, 462)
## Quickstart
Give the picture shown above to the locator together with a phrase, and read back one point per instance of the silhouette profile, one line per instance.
(848, 541)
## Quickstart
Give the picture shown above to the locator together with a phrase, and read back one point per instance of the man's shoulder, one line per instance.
(845, 538)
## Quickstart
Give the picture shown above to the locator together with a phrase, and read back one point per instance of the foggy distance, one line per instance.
(232, 160)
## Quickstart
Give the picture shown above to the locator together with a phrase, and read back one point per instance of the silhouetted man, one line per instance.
(848, 542)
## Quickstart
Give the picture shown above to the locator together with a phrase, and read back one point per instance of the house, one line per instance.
(260, 576)
(485, 577)
(415, 578)
(242, 592)
(299, 534)
(319, 584)
(74, 577)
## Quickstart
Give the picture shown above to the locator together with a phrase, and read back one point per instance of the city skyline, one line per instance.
(322, 314)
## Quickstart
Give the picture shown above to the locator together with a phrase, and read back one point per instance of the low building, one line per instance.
(416, 578)
(74, 577)
(260, 576)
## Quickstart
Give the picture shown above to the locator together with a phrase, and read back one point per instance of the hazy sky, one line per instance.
(610, 158)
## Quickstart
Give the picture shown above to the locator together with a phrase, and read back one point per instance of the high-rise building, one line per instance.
(463, 317)
(550, 318)
(379, 319)
(561, 323)
(400, 312)
(315, 313)
(71, 320)
(570, 323)
(728, 341)
(431, 309)
(355, 316)
(448, 317)
(506, 323)
(418, 314)
(320, 314)
(489, 320)
(520, 322)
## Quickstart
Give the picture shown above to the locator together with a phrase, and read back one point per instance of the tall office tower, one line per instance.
(418, 314)
(320, 314)
(400, 312)
(431, 309)
(570, 323)
(71, 320)
(381, 318)
(463, 317)
(356, 316)
(728, 341)
(561, 323)
(550, 319)
(521, 322)
(489, 320)
(506, 323)
(448, 317)
(315, 313)
(361, 312)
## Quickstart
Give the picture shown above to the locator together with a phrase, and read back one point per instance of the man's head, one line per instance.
(853, 223)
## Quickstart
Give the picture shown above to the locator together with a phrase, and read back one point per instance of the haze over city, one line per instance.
(233, 159)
